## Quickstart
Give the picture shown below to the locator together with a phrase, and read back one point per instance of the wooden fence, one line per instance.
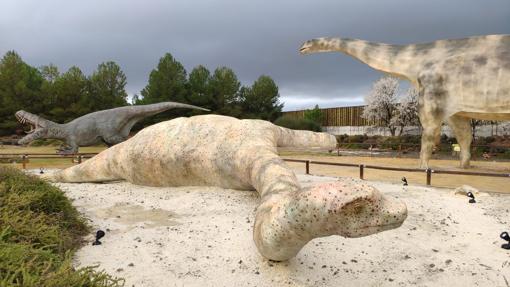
(77, 158)
(428, 172)
(341, 116)
(24, 158)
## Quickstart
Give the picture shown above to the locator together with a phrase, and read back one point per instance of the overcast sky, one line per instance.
(251, 37)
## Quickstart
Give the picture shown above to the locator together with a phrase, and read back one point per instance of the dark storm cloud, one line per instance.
(252, 37)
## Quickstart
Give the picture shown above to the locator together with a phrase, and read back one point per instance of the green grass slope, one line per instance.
(39, 231)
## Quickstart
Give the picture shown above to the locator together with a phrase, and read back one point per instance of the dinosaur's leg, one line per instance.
(113, 140)
(461, 127)
(103, 167)
(72, 147)
(431, 117)
(289, 216)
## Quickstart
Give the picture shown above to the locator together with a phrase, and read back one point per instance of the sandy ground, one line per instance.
(202, 236)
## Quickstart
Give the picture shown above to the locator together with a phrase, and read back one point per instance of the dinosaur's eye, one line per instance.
(357, 206)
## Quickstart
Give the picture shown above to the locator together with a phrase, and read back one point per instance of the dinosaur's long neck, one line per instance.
(393, 59)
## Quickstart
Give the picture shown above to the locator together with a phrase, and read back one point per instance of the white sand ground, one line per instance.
(202, 236)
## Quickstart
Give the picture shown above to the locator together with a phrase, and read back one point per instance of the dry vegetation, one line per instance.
(39, 232)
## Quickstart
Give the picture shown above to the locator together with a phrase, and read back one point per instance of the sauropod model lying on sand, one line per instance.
(457, 80)
(221, 151)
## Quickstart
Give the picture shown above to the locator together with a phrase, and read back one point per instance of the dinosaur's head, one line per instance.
(315, 46)
(366, 211)
(38, 126)
(352, 208)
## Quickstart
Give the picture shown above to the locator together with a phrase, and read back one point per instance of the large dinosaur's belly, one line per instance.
(481, 91)
(190, 154)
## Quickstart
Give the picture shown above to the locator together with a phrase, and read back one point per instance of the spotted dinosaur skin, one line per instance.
(458, 80)
(221, 151)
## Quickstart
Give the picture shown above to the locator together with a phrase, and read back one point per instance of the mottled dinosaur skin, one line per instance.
(109, 126)
(221, 151)
(457, 80)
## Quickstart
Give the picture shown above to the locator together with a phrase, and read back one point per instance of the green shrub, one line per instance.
(410, 139)
(357, 138)
(297, 124)
(342, 138)
(314, 115)
(39, 231)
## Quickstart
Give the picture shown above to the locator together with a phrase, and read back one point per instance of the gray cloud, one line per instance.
(252, 37)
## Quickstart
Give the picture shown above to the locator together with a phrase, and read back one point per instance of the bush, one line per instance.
(39, 231)
(357, 138)
(297, 124)
(314, 115)
(410, 139)
(342, 138)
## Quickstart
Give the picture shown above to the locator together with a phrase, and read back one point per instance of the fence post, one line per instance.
(307, 163)
(79, 158)
(23, 161)
(429, 176)
(361, 170)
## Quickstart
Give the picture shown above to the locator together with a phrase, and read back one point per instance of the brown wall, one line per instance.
(341, 116)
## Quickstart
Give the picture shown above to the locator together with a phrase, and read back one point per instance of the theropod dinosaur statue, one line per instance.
(109, 126)
(213, 150)
(458, 80)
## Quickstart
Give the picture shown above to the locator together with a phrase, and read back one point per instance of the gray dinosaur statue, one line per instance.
(457, 80)
(213, 150)
(109, 126)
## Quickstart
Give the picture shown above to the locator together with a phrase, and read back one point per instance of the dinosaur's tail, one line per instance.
(298, 138)
(152, 109)
(397, 60)
(103, 167)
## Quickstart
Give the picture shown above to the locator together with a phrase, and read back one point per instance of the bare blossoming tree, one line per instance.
(407, 111)
(381, 103)
(387, 109)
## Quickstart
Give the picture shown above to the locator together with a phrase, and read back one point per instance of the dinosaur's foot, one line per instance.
(424, 164)
(348, 208)
(465, 164)
(66, 151)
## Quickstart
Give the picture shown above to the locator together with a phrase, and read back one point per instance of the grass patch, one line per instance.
(39, 231)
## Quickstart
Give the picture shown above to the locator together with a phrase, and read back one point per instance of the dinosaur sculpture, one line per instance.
(457, 80)
(221, 151)
(109, 126)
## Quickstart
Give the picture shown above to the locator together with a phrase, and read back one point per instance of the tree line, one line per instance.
(63, 96)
